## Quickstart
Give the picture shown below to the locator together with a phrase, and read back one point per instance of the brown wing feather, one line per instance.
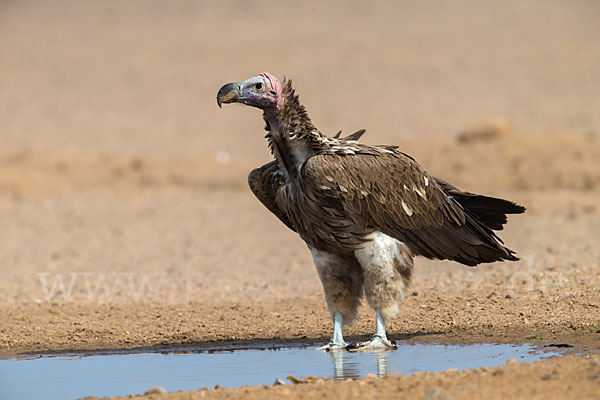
(390, 189)
(265, 182)
(394, 194)
(354, 136)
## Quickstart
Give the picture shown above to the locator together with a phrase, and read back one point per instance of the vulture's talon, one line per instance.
(333, 346)
(376, 343)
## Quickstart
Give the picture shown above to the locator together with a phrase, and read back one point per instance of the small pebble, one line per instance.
(549, 376)
(595, 363)
(512, 361)
(155, 390)
(278, 382)
(466, 387)
(593, 377)
(432, 392)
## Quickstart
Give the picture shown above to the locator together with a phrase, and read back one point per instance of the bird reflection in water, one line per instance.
(346, 365)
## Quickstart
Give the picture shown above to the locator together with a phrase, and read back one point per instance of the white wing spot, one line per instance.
(407, 209)
(329, 178)
(343, 189)
(420, 192)
(364, 193)
(406, 187)
(323, 187)
(426, 181)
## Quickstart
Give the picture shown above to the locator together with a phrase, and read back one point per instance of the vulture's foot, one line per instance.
(333, 346)
(377, 342)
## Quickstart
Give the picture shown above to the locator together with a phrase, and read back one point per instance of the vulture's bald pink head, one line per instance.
(263, 91)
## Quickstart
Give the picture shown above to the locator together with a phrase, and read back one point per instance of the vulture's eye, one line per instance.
(259, 86)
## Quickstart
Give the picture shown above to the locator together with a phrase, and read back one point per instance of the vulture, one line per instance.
(364, 211)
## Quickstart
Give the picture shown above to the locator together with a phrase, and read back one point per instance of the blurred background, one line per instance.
(116, 159)
(140, 77)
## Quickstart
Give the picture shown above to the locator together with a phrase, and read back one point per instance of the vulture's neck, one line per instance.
(292, 136)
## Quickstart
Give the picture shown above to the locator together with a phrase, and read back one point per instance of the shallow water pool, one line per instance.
(78, 375)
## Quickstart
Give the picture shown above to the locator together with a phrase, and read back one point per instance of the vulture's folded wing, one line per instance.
(265, 182)
(390, 190)
(392, 193)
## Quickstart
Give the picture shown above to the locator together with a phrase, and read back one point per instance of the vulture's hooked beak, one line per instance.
(229, 93)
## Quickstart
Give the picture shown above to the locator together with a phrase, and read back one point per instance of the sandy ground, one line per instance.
(127, 223)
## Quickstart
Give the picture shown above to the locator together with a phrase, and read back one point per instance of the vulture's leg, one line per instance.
(343, 285)
(387, 265)
(337, 338)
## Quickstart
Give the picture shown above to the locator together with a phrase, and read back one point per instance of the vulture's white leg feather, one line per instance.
(342, 282)
(387, 264)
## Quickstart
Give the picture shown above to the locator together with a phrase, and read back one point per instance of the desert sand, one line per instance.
(127, 222)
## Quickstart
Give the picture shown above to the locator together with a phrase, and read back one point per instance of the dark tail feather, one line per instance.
(490, 211)
(471, 243)
(475, 241)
